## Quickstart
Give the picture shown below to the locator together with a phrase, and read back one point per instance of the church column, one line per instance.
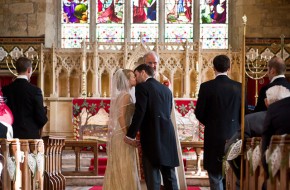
(84, 71)
(100, 82)
(111, 75)
(125, 55)
(196, 22)
(186, 76)
(198, 65)
(54, 79)
(68, 84)
(41, 72)
(172, 81)
(93, 21)
(95, 83)
(161, 21)
(127, 20)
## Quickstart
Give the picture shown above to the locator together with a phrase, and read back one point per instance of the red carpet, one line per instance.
(100, 188)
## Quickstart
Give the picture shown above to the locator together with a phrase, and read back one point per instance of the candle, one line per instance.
(257, 53)
(21, 51)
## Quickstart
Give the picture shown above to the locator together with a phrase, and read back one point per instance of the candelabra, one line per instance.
(256, 67)
(14, 55)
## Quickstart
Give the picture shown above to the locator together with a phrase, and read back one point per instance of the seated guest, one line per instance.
(254, 123)
(3, 131)
(276, 71)
(6, 130)
(277, 119)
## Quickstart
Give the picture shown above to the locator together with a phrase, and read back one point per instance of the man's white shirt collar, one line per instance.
(220, 74)
(278, 76)
(147, 78)
(22, 77)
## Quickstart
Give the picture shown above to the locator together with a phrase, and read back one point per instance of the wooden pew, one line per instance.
(282, 179)
(14, 150)
(53, 179)
(4, 151)
(253, 179)
(25, 172)
(36, 146)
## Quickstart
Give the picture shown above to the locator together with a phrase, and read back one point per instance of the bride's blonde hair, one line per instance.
(127, 73)
(122, 77)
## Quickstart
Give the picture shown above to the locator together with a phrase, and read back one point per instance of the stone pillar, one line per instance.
(95, 83)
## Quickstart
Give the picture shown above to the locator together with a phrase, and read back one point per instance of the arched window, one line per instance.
(110, 20)
(74, 23)
(214, 24)
(165, 20)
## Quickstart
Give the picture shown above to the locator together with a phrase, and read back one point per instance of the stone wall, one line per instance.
(266, 19)
(22, 17)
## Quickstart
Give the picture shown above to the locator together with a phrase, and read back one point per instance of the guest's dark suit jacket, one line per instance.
(253, 127)
(152, 117)
(26, 103)
(3, 131)
(277, 121)
(262, 94)
(218, 108)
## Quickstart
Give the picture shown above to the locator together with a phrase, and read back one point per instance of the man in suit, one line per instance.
(152, 118)
(276, 121)
(276, 71)
(26, 103)
(3, 131)
(218, 108)
(254, 123)
(151, 58)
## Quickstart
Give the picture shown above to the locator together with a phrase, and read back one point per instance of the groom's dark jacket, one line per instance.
(152, 118)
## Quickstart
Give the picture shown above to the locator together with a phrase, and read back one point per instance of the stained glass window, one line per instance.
(179, 20)
(144, 20)
(110, 20)
(74, 23)
(214, 24)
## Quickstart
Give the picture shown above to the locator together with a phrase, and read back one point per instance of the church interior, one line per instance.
(76, 47)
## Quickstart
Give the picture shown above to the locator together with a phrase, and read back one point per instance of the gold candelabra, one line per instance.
(13, 56)
(256, 67)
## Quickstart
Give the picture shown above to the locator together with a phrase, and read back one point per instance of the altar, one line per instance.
(91, 116)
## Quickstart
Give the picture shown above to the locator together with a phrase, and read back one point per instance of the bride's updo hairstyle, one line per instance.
(121, 77)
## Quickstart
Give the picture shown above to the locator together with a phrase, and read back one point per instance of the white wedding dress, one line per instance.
(121, 171)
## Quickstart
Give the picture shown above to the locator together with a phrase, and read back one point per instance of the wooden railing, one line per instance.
(254, 179)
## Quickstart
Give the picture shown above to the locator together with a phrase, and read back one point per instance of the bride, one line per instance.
(121, 171)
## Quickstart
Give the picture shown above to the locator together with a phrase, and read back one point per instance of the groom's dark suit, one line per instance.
(26, 103)
(152, 118)
(218, 108)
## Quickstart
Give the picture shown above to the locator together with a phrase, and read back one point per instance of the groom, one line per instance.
(152, 118)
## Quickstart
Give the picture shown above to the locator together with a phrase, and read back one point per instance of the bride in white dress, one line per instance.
(121, 171)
